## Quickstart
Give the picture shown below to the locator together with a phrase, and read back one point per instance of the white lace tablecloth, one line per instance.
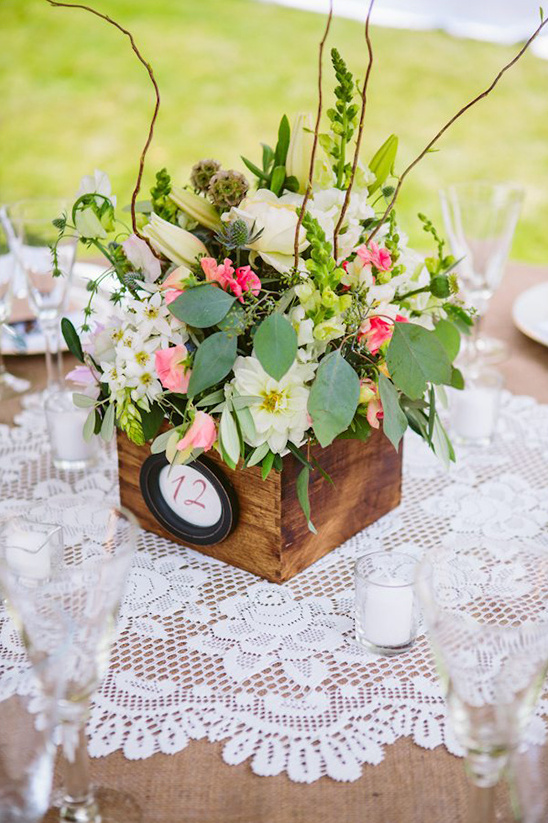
(208, 651)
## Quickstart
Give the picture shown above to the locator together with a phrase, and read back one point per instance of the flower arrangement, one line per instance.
(258, 315)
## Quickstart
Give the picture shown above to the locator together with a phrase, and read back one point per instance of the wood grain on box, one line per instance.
(271, 538)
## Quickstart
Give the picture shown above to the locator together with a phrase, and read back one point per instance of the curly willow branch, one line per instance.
(148, 67)
(450, 122)
(316, 132)
(360, 131)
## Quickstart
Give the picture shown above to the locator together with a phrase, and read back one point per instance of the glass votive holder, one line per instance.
(386, 608)
(474, 411)
(29, 549)
(65, 423)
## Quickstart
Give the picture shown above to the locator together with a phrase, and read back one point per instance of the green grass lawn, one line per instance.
(74, 97)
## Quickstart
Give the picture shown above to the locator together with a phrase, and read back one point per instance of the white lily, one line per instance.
(178, 245)
(197, 207)
(297, 163)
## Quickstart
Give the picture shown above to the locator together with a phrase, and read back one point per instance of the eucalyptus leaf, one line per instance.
(267, 465)
(302, 484)
(151, 420)
(275, 344)
(242, 401)
(333, 398)
(160, 443)
(228, 434)
(246, 423)
(83, 401)
(457, 379)
(202, 306)
(382, 162)
(213, 360)
(234, 321)
(107, 427)
(394, 421)
(257, 455)
(89, 426)
(211, 399)
(416, 357)
(449, 336)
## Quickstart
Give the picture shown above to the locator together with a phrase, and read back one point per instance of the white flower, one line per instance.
(277, 218)
(146, 385)
(96, 183)
(303, 325)
(178, 245)
(279, 413)
(139, 357)
(141, 257)
(152, 316)
(297, 162)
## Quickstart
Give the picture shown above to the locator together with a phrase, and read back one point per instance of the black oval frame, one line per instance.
(176, 525)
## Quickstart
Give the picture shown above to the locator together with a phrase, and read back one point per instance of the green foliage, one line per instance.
(273, 174)
(151, 420)
(382, 164)
(321, 264)
(161, 202)
(416, 357)
(107, 426)
(302, 495)
(343, 118)
(202, 306)
(213, 360)
(228, 436)
(449, 337)
(394, 422)
(71, 339)
(275, 345)
(333, 398)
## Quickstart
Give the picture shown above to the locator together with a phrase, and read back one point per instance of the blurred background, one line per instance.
(74, 97)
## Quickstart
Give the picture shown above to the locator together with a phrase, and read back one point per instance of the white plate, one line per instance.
(530, 313)
(29, 339)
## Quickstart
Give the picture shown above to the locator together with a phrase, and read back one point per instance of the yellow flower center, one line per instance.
(117, 335)
(146, 379)
(274, 402)
(142, 358)
(151, 312)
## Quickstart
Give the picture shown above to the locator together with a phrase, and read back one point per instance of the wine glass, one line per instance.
(486, 609)
(34, 235)
(10, 385)
(83, 581)
(480, 220)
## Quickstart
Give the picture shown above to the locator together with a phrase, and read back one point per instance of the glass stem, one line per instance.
(78, 804)
(2, 364)
(53, 355)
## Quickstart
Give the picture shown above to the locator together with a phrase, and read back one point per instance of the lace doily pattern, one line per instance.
(206, 650)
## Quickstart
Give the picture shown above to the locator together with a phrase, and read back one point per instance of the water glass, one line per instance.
(9, 384)
(65, 422)
(474, 411)
(485, 607)
(386, 611)
(33, 237)
(480, 220)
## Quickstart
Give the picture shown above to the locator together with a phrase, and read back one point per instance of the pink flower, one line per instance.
(172, 368)
(369, 394)
(374, 331)
(218, 273)
(82, 376)
(201, 434)
(373, 255)
(141, 258)
(175, 284)
(246, 281)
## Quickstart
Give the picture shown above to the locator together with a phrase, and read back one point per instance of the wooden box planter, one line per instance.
(271, 538)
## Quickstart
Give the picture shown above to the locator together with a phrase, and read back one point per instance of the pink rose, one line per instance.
(369, 394)
(175, 284)
(373, 255)
(172, 368)
(374, 331)
(201, 434)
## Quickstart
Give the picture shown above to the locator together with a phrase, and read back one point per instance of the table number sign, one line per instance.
(194, 502)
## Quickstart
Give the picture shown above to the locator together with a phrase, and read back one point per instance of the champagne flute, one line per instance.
(34, 235)
(486, 611)
(480, 220)
(84, 582)
(10, 385)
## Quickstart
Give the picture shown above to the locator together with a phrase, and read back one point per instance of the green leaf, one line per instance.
(302, 495)
(359, 429)
(211, 399)
(151, 421)
(416, 357)
(202, 306)
(246, 423)
(160, 443)
(71, 339)
(257, 455)
(83, 401)
(394, 422)
(459, 316)
(255, 169)
(89, 426)
(333, 398)
(382, 162)
(299, 455)
(234, 321)
(213, 360)
(228, 434)
(267, 465)
(441, 444)
(277, 179)
(457, 379)
(275, 344)
(242, 401)
(107, 428)
(282, 146)
(449, 337)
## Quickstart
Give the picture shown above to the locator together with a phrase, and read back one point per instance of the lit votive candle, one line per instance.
(386, 611)
(65, 423)
(474, 411)
(30, 548)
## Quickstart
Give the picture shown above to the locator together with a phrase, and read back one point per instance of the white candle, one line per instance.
(28, 553)
(65, 425)
(386, 617)
(474, 413)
